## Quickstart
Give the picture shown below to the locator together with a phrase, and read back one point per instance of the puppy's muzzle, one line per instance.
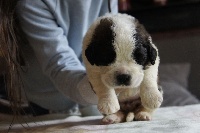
(123, 79)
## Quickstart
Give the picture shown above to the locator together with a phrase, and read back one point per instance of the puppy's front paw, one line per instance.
(154, 101)
(143, 116)
(151, 98)
(114, 118)
(108, 105)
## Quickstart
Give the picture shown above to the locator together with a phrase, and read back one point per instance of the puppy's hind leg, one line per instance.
(117, 117)
(130, 117)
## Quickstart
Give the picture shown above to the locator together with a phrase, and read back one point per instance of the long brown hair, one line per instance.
(9, 48)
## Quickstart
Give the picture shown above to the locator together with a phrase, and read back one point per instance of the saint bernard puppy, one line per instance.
(122, 64)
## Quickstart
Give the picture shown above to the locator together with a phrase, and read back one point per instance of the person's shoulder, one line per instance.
(23, 4)
(37, 2)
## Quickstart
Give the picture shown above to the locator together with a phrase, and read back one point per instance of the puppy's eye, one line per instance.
(140, 55)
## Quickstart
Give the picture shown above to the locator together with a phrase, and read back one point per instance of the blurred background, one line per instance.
(160, 15)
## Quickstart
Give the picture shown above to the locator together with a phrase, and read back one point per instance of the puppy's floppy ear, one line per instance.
(144, 53)
(152, 53)
(100, 50)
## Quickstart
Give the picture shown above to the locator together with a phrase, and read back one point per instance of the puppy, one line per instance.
(122, 63)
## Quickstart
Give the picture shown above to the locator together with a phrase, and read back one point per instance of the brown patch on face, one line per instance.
(101, 51)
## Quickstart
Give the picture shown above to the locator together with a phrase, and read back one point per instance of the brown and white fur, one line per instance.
(122, 63)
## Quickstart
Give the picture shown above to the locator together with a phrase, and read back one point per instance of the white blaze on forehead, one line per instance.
(124, 43)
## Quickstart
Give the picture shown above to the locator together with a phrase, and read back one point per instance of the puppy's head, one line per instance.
(120, 48)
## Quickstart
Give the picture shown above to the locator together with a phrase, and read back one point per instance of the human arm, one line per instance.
(52, 50)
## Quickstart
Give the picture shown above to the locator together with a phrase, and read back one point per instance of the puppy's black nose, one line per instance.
(123, 79)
